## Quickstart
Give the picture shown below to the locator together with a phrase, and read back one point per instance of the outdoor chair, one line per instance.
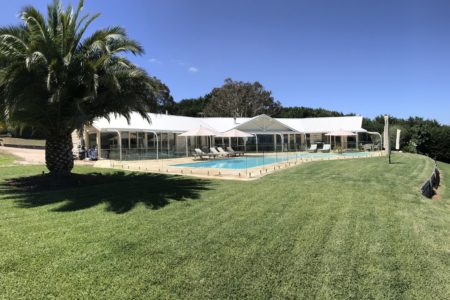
(200, 154)
(326, 148)
(216, 153)
(368, 147)
(236, 153)
(221, 151)
(313, 148)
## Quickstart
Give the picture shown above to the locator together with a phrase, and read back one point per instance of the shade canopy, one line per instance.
(235, 133)
(200, 131)
(340, 133)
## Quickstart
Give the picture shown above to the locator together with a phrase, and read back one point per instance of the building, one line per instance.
(116, 138)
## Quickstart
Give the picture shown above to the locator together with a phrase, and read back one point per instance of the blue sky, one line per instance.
(366, 57)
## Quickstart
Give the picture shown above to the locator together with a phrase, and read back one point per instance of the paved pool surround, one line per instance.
(180, 166)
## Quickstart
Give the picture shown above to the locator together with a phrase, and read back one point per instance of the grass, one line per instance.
(6, 159)
(333, 229)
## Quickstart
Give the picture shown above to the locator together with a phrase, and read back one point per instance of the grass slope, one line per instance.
(332, 229)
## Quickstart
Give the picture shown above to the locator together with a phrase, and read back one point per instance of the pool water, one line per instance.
(245, 162)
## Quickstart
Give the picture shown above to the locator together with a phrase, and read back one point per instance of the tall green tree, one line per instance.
(162, 99)
(306, 112)
(194, 107)
(241, 99)
(55, 79)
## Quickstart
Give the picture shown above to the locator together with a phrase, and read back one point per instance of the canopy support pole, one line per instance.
(157, 145)
(156, 136)
(357, 141)
(282, 141)
(145, 141)
(379, 134)
(289, 142)
(305, 141)
(99, 144)
(119, 143)
(275, 142)
(187, 150)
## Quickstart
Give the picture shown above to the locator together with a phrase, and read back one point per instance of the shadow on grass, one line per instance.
(397, 163)
(120, 191)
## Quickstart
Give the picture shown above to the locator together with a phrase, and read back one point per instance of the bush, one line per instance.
(3, 128)
(439, 144)
(410, 147)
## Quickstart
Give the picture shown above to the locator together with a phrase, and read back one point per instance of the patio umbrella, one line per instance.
(235, 133)
(200, 131)
(339, 133)
(397, 140)
(386, 138)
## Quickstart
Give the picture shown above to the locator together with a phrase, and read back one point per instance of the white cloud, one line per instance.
(179, 62)
(193, 69)
(155, 61)
(185, 65)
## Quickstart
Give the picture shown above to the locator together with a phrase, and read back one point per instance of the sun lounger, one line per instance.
(235, 153)
(313, 148)
(326, 148)
(217, 153)
(221, 151)
(200, 154)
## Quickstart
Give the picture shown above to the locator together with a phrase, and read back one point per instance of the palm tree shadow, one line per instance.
(120, 191)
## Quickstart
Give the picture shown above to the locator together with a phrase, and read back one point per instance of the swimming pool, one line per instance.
(245, 162)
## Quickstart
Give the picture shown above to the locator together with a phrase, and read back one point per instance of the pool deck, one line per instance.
(167, 166)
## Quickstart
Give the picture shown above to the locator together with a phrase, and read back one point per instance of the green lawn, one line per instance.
(5, 160)
(333, 229)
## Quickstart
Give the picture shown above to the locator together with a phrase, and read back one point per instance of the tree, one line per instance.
(439, 145)
(162, 100)
(55, 80)
(241, 99)
(194, 107)
(306, 112)
(3, 127)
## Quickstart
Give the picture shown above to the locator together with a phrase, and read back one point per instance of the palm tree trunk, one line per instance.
(58, 154)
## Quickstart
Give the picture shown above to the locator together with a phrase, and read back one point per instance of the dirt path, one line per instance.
(33, 156)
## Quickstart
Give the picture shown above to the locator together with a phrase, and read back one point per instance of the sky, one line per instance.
(364, 57)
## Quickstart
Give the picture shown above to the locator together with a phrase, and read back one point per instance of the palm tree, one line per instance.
(56, 81)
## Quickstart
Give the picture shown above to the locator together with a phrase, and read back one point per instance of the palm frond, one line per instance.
(35, 23)
(12, 46)
(85, 25)
(36, 59)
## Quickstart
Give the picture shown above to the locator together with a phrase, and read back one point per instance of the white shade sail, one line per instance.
(200, 131)
(235, 133)
(258, 124)
(340, 133)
